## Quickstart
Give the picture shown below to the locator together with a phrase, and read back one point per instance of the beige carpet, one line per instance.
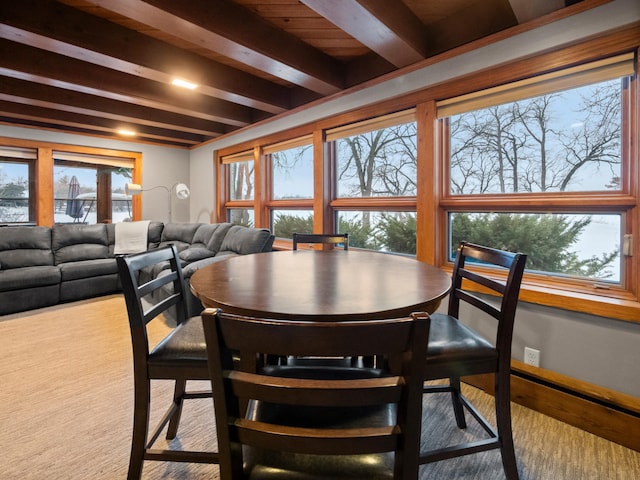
(66, 406)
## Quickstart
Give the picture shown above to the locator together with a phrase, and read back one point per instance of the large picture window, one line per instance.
(290, 165)
(91, 189)
(561, 150)
(374, 160)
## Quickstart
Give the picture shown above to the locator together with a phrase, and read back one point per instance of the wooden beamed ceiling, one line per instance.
(97, 66)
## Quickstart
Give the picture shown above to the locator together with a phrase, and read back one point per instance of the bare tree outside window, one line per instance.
(241, 187)
(381, 163)
(241, 180)
(567, 141)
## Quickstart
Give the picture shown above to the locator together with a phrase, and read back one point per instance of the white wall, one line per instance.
(160, 165)
(598, 350)
(202, 184)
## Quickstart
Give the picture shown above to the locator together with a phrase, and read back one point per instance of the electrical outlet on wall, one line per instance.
(532, 356)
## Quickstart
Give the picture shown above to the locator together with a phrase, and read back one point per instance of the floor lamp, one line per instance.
(180, 189)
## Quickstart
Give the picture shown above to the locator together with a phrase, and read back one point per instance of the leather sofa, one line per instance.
(43, 266)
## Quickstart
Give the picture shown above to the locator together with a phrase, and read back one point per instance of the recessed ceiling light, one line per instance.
(127, 133)
(184, 84)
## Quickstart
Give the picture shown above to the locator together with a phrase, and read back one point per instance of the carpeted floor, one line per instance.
(66, 407)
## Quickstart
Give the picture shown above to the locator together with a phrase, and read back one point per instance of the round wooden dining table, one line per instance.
(314, 285)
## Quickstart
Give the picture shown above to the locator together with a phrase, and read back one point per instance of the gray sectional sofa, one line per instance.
(42, 266)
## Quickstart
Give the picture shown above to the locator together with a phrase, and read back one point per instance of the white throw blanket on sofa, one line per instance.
(131, 237)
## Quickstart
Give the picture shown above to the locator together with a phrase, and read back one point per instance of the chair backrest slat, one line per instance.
(162, 306)
(355, 392)
(487, 282)
(322, 338)
(318, 441)
(156, 283)
(321, 238)
(479, 303)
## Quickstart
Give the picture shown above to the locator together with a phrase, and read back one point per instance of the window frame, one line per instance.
(272, 204)
(103, 188)
(375, 203)
(224, 201)
(623, 201)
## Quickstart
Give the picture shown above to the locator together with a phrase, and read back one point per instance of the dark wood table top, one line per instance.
(321, 285)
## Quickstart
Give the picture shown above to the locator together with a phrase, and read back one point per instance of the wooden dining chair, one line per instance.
(456, 350)
(180, 356)
(333, 239)
(298, 422)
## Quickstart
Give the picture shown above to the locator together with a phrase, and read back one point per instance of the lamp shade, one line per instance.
(182, 191)
(132, 189)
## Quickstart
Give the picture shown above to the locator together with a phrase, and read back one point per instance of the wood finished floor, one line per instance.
(66, 406)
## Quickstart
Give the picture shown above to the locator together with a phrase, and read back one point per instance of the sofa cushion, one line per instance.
(211, 235)
(87, 268)
(29, 277)
(245, 240)
(183, 232)
(179, 234)
(25, 247)
(72, 243)
(155, 234)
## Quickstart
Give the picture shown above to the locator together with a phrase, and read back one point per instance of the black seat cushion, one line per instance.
(184, 347)
(270, 465)
(456, 349)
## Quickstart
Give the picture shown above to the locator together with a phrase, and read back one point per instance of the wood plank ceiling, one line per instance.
(98, 66)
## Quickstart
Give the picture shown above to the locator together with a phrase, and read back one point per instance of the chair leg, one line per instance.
(458, 409)
(178, 400)
(503, 423)
(142, 397)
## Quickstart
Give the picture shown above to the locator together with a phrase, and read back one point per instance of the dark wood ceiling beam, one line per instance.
(233, 31)
(94, 123)
(475, 21)
(84, 130)
(22, 61)
(393, 32)
(71, 32)
(22, 91)
(526, 10)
